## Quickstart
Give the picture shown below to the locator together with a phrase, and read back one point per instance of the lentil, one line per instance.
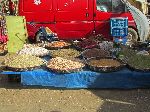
(104, 63)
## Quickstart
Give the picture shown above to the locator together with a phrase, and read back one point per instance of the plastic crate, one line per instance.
(119, 27)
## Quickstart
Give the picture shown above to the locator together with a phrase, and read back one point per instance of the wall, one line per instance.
(140, 4)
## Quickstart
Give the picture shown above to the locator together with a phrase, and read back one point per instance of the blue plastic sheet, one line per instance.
(124, 79)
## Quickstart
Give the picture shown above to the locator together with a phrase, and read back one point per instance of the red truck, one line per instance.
(75, 19)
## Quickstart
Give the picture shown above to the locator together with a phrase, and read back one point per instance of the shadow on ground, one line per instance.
(136, 100)
(114, 100)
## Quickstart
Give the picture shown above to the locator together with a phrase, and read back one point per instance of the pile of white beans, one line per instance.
(35, 51)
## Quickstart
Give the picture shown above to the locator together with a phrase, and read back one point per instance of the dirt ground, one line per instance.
(17, 98)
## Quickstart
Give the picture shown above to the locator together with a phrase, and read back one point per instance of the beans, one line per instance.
(33, 50)
(86, 44)
(104, 63)
(24, 61)
(106, 45)
(67, 53)
(58, 44)
(59, 63)
(95, 53)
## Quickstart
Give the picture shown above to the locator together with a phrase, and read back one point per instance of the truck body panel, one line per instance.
(71, 19)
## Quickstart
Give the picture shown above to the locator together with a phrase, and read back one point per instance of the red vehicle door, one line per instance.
(40, 12)
(74, 18)
(106, 9)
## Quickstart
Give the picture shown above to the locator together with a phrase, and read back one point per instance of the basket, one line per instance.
(105, 69)
(22, 69)
(138, 69)
(65, 71)
(27, 68)
(68, 70)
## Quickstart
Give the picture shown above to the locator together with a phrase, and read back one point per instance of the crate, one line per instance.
(119, 27)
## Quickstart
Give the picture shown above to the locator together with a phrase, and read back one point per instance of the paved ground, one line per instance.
(15, 98)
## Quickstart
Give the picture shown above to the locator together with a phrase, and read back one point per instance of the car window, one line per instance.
(110, 6)
(118, 6)
(104, 5)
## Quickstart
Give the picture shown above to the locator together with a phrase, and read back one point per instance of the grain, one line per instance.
(104, 63)
(59, 63)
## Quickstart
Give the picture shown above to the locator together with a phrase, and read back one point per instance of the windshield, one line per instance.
(110, 6)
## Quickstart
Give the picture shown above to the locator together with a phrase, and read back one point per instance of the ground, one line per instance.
(17, 98)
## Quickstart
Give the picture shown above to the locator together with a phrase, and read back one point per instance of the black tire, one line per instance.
(132, 36)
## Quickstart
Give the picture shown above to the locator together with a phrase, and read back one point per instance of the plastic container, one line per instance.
(119, 27)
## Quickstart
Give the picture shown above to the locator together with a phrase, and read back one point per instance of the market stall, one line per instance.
(73, 68)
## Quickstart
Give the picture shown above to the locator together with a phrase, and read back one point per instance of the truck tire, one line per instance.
(132, 36)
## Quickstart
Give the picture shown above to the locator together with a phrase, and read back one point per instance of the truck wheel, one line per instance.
(132, 36)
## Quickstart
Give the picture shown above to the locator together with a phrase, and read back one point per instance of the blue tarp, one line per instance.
(124, 79)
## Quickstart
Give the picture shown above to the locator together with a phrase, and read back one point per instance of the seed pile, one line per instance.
(86, 44)
(106, 45)
(35, 51)
(24, 61)
(140, 62)
(104, 63)
(95, 53)
(58, 44)
(67, 53)
(62, 64)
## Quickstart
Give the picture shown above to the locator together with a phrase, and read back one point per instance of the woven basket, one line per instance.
(138, 69)
(68, 70)
(105, 69)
